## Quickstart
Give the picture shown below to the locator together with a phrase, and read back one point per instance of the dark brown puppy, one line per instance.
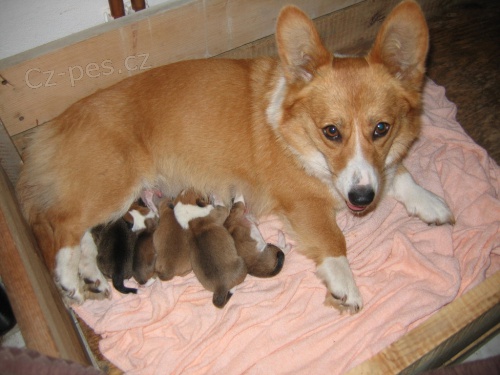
(171, 243)
(213, 254)
(262, 259)
(115, 250)
(116, 244)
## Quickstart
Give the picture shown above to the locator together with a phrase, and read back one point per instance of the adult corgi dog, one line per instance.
(302, 136)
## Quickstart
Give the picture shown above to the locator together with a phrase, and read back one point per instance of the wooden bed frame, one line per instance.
(41, 83)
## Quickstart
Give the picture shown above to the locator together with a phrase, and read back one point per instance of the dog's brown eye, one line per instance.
(381, 129)
(331, 132)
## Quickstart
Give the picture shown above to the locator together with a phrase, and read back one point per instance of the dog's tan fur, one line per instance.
(256, 126)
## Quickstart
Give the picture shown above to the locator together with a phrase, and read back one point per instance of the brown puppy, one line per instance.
(262, 259)
(145, 254)
(213, 254)
(115, 251)
(120, 254)
(171, 243)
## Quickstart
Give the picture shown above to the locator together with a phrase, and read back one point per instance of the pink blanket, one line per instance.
(405, 269)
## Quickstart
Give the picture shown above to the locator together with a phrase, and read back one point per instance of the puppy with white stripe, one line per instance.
(213, 254)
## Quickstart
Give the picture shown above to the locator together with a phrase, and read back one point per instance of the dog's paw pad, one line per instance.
(95, 287)
(341, 304)
(71, 296)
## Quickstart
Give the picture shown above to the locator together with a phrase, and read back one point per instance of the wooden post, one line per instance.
(44, 321)
(117, 8)
(138, 5)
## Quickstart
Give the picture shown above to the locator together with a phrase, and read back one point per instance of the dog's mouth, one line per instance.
(354, 208)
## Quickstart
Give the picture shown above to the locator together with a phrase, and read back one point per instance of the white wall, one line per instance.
(25, 24)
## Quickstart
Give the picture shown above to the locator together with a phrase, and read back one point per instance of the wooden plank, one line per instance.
(442, 335)
(44, 321)
(10, 159)
(40, 87)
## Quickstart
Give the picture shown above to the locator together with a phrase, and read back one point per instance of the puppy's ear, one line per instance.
(151, 225)
(299, 45)
(201, 202)
(402, 44)
(129, 220)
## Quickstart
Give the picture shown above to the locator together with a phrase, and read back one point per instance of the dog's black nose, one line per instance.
(361, 195)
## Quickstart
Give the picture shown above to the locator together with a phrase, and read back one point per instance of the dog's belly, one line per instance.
(222, 182)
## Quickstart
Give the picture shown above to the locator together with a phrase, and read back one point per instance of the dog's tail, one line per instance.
(44, 235)
(221, 296)
(35, 214)
(35, 191)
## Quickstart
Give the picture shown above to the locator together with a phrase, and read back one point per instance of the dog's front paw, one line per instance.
(343, 294)
(420, 202)
(430, 208)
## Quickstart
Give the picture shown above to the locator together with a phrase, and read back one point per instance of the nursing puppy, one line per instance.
(144, 261)
(213, 254)
(124, 248)
(262, 259)
(171, 242)
(115, 252)
(302, 136)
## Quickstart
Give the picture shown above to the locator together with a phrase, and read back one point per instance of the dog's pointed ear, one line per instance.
(299, 45)
(402, 43)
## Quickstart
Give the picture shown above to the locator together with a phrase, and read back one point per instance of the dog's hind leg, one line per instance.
(66, 274)
(61, 251)
(94, 280)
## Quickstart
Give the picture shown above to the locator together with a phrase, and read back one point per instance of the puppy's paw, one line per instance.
(430, 208)
(343, 294)
(148, 283)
